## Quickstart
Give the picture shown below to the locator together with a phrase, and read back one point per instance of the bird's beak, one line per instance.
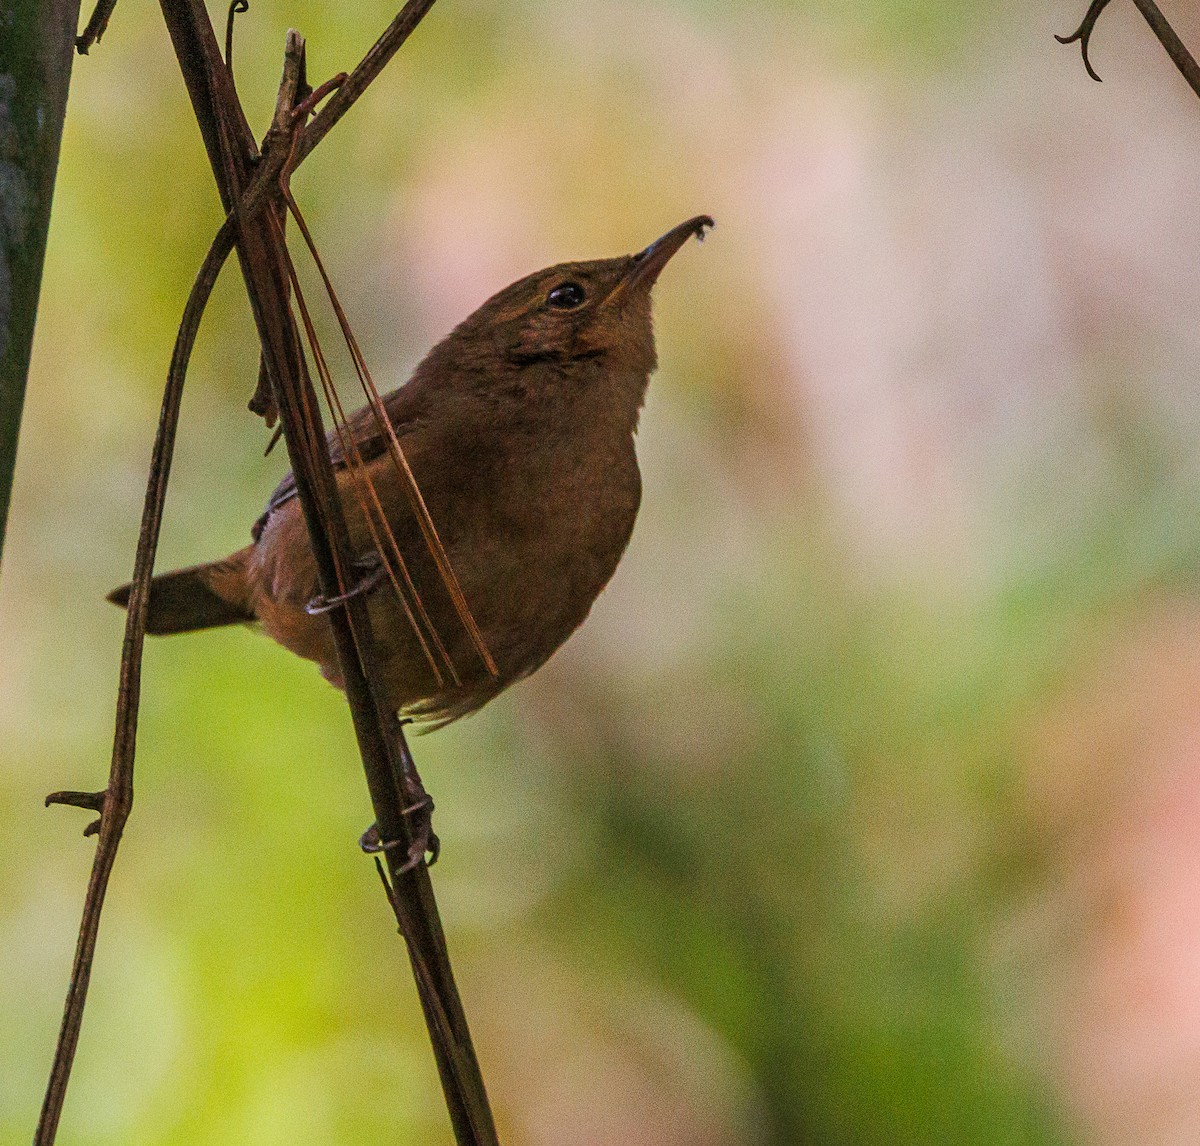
(648, 264)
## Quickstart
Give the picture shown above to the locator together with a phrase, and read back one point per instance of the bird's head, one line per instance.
(573, 313)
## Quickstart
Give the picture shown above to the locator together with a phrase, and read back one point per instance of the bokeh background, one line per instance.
(866, 806)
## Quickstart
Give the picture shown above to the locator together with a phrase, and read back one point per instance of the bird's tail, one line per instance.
(202, 597)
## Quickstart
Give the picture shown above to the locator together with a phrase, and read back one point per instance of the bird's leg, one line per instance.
(418, 809)
(373, 570)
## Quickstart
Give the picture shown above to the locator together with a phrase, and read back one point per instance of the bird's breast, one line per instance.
(533, 527)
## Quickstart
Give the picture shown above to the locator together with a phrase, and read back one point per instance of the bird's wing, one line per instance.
(371, 439)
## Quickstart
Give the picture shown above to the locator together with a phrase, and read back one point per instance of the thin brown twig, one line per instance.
(359, 477)
(357, 469)
(246, 187)
(115, 802)
(232, 153)
(408, 480)
(376, 59)
(95, 27)
(236, 8)
(1159, 25)
(1174, 46)
(361, 78)
(1083, 34)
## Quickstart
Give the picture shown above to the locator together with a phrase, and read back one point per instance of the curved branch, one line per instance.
(1084, 35)
(1159, 25)
(115, 802)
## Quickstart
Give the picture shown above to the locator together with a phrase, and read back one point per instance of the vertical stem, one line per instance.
(115, 802)
(1174, 46)
(231, 150)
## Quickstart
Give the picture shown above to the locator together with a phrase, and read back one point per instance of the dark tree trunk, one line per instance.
(37, 42)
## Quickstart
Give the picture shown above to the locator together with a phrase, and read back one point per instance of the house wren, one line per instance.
(518, 428)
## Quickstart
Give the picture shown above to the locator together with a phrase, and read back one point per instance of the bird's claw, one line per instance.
(424, 838)
(374, 572)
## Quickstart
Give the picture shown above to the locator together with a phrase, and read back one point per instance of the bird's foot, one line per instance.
(419, 813)
(374, 571)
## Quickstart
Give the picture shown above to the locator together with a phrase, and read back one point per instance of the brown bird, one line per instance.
(518, 428)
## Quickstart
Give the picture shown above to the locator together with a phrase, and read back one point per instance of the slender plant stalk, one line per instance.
(96, 26)
(360, 79)
(232, 151)
(249, 188)
(1159, 25)
(1179, 54)
(115, 802)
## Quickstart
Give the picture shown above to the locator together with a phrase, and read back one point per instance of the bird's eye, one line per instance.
(566, 297)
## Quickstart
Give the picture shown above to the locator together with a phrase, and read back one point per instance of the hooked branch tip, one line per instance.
(1083, 35)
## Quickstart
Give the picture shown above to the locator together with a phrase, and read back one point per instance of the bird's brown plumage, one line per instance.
(519, 429)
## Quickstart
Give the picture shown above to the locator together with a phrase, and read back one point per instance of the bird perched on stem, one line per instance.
(489, 499)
